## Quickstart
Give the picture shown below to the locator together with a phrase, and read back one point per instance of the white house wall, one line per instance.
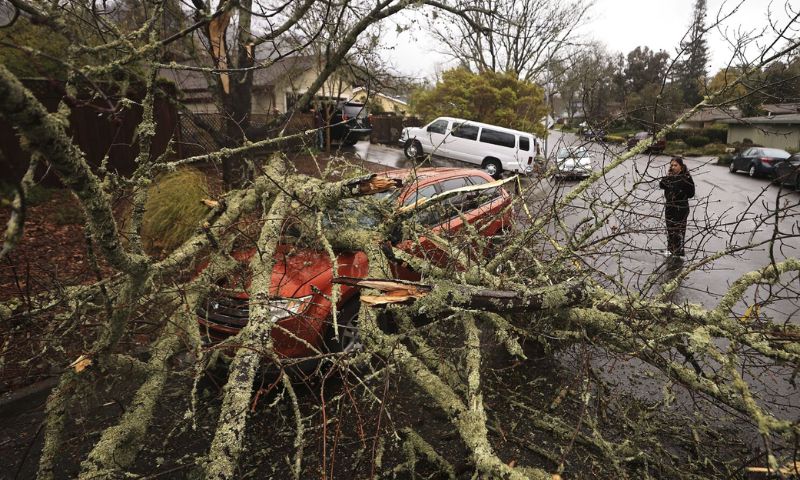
(776, 136)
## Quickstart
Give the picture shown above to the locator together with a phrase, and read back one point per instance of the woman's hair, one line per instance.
(679, 161)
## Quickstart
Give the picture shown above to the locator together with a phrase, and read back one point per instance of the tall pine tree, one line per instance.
(691, 69)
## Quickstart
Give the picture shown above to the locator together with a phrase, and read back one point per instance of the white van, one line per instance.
(494, 148)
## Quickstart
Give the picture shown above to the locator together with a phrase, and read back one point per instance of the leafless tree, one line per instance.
(522, 37)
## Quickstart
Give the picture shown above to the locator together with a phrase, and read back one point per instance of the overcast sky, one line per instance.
(621, 25)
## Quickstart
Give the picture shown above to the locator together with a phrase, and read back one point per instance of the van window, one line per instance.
(524, 143)
(498, 138)
(439, 126)
(470, 132)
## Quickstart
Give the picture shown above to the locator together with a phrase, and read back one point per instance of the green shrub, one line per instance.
(37, 194)
(697, 141)
(716, 134)
(676, 147)
(724, 159)
(679, 134)
(173, 210)
(715, 149)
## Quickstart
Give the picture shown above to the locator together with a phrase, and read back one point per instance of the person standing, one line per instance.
(678, 188)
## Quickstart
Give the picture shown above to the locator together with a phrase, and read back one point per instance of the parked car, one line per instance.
(302, 276)
(573, 162)
(657, 147)
(595, 134)
(495, 149)
(349, 123)
(758, 160)
(787, 172)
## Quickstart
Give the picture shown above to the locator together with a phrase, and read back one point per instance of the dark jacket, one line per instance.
(678, 189)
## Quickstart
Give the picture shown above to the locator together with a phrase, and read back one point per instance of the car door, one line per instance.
(462, 144)
(435, 138)
(742, 162)
(442, 218)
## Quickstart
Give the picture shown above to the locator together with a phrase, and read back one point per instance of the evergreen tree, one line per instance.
(690, 72)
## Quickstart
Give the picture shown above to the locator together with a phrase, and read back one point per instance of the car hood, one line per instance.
(298, 272)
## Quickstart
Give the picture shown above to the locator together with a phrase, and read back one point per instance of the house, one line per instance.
(778, 131)
(707, 117)
(385, 103)
(780, 108)
(275, 87)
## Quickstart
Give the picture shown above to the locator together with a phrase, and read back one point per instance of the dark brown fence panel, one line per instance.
(95, 130)
(386, 129)
(202, 133)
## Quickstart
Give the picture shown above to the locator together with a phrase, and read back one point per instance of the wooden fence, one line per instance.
(98, 132)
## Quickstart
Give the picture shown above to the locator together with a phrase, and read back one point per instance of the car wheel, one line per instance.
(413, 150)
(348, 142)
(349, 340)
(797, 183)
(493, 167)
(752, 171)
(732, 167)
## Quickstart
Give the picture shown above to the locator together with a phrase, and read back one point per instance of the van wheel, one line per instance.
(413, 150)
(492, 167)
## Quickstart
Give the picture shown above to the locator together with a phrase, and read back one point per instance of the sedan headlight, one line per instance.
(281, 308)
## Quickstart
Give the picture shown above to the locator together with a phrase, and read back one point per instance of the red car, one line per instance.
(302, 277)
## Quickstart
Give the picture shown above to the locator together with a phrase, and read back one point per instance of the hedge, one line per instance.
(715, 135)
(697, 141)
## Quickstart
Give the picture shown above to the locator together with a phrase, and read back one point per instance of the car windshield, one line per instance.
(349, 214)
(775, 153)
(354, 110)
(571, 152)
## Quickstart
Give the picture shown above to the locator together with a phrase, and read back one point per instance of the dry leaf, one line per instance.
(81, 363)
(377, 184)
(210, 203)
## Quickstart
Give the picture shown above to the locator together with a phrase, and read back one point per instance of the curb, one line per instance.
(26, 398)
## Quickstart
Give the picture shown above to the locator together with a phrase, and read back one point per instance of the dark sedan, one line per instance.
(787, 171)
(758, 160)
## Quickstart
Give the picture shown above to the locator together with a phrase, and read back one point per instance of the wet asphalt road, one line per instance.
(729, 211)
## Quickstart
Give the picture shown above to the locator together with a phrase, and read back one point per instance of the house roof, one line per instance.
(383, 95)
(714, 113)
(781, 108)
(283, 68)
(185, 80)
(790, 119)
(194, 80)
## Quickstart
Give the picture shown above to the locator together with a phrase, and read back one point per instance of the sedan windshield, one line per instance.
(571, 152)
